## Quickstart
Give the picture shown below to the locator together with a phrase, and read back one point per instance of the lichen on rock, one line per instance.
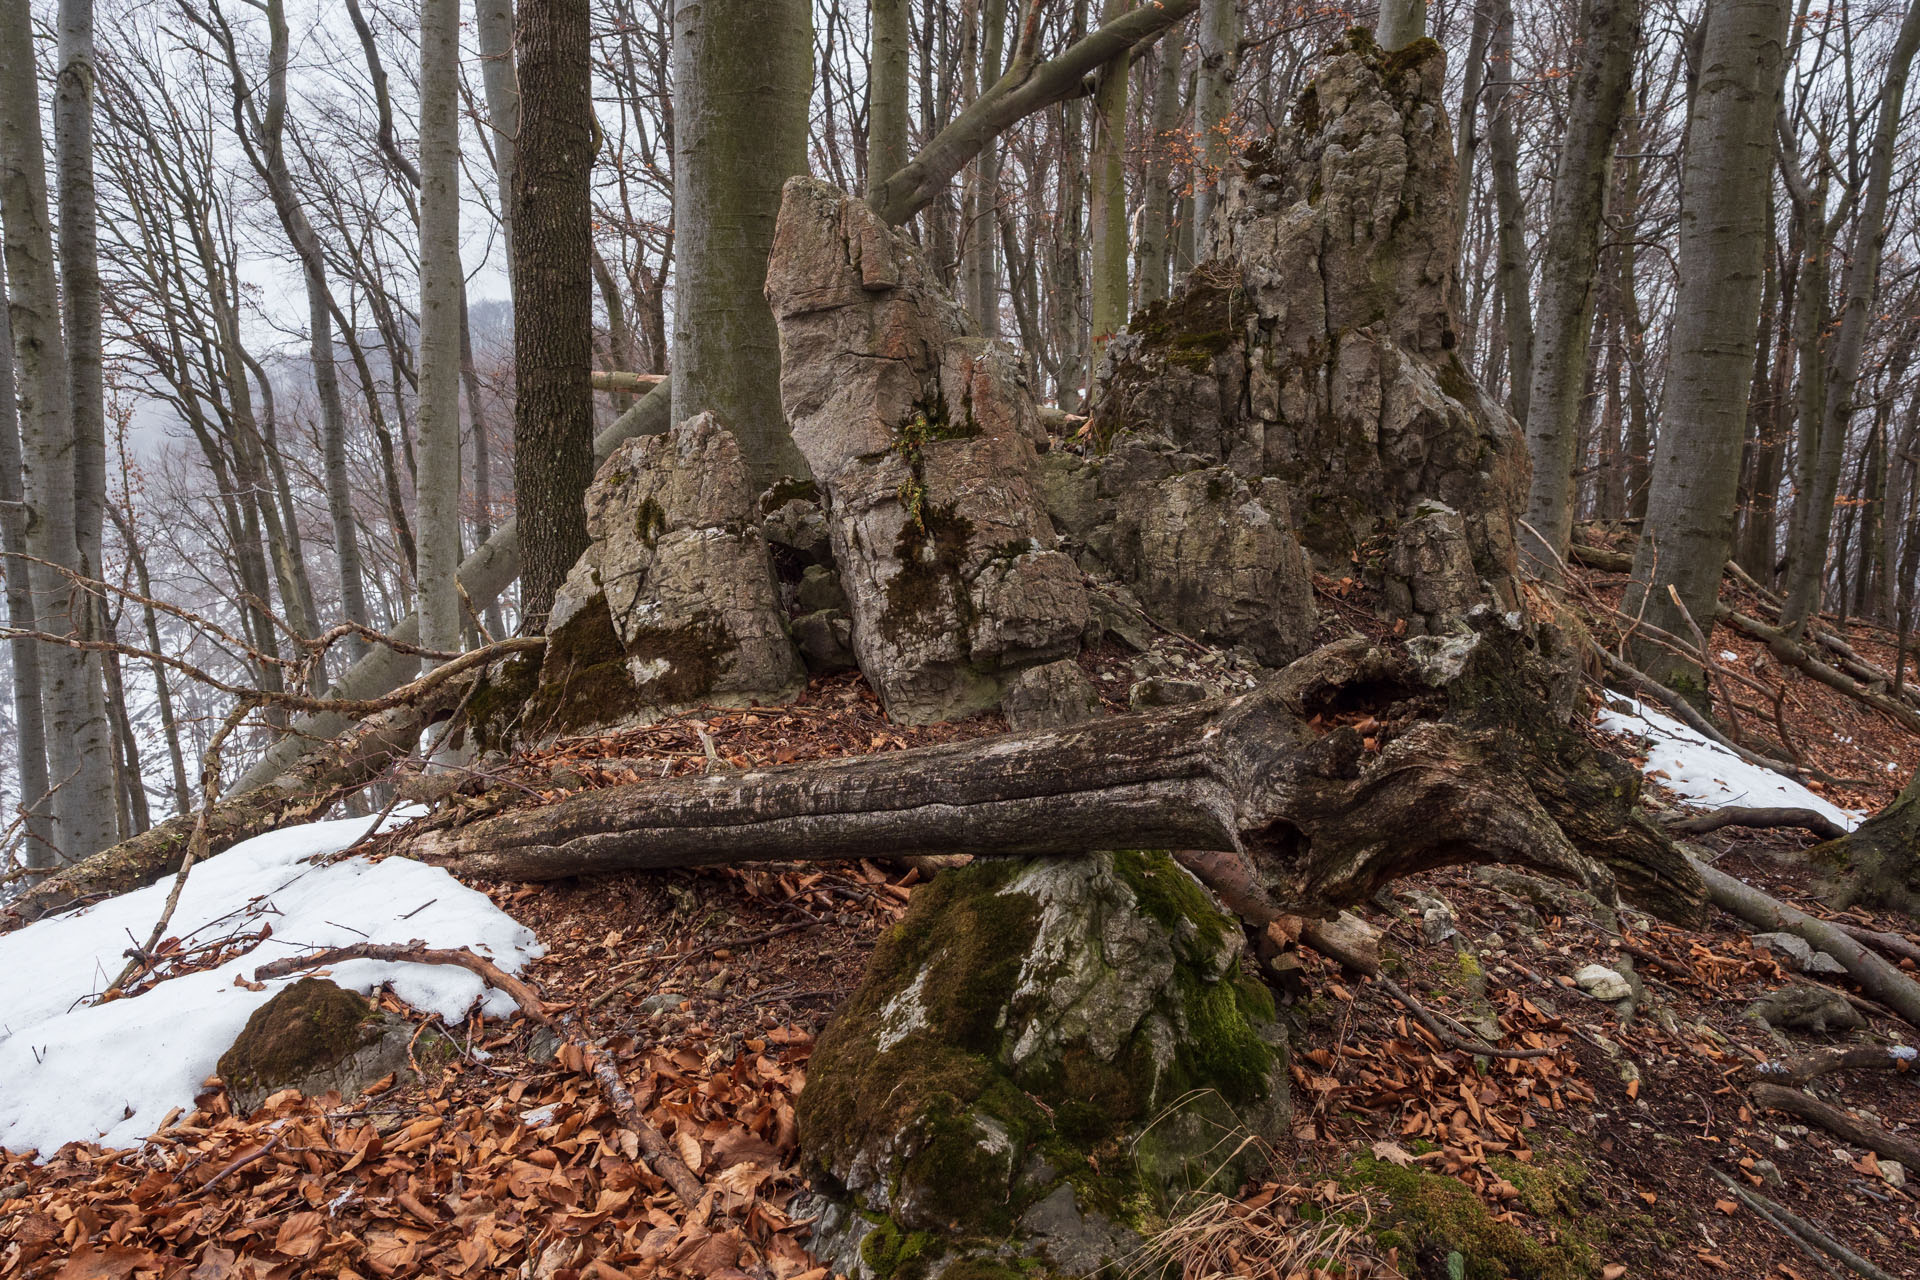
(1043, 1056)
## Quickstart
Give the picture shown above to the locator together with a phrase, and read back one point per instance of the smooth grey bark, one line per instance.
(162, 682)
(1510, 216)
(1723, 222)
(1219, 41)
(742, 76)
(1858, 280)
(1569, 262)
(483, 576)
(1154, 252)
(981, 264)
(78, 762)
(442, 288)
(30, 758)
(493, 24)
(1401, 23)
(1107, 193)
(1468, 132)
(887, 94)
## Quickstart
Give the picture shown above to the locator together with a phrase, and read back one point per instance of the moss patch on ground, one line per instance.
(307, 1027)
(1431, 1215)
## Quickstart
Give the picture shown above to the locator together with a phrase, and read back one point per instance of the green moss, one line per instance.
(587, 677)
(1455, 382)
(649, 521)
(1397, 67)
(932, 551)
(1222, 1050)
(893, 1254)
(697, 653)
(310, 1025)
(1186, 331)
(493, 712)
(1430, 1211)
(1171, 896)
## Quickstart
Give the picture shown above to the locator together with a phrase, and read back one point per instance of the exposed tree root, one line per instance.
(1736, 816)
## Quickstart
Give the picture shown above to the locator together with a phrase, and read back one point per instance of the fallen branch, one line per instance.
(1646, 686)
(1841, 1124)
(1811, 1240)
(1794, 654)
(1802, 1067)
(661, 1156)
(614, 380)
(1876, 977)
(1736, 816)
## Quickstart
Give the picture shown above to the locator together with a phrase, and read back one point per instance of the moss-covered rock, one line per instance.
(1042, 1056)
(1430, 1216)
(316, 1037)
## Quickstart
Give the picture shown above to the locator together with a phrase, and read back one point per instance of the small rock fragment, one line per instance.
(1602, 983)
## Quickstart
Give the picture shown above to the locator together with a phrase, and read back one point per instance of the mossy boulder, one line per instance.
(1043, 1058)
(317, 1037)
(1432, 1218)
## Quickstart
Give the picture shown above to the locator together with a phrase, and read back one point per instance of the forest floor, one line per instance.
(710, 987)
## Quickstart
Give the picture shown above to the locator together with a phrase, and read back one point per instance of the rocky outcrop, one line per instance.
(1041, 1056)
(922, 437)
(1315, 350)
(673, 605)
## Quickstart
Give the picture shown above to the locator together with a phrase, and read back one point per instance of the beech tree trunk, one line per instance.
(500, 81)
(30, 756)
(442, 288)
(78, 762)
(1569, 261)
(1723, 222)
(1107, 194)
(552, 298)
(742, 76)
(1401, 23)
(1155, 252)
(887, 95)
(1512, 272)
(1213, 106)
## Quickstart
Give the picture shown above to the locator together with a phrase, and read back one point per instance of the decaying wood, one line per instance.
(301, 793)
(1323, 817)
(1876, 977)
(660, 1154)
(1802, 1067)
(1736, 816)
(1841, 1124)
(1812, 1241)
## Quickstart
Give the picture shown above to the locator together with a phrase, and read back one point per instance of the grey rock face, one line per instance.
(1800, 951)
(679, 572)
(1800, 1008)
(1166, 691)
(1023, 1017)
(1316, 348)
(922, 439)
(1050, 696)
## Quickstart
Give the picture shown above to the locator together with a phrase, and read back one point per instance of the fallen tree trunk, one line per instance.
(1737, 816)
(1876, 977)
(1324, 819)
(300, 793)
(1859, 1132)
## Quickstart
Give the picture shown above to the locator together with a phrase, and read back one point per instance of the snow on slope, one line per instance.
(1704, 773)
(110, 1073)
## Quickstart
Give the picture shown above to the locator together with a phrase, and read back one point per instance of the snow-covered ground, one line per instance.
(1704, 773)
(71, 1069)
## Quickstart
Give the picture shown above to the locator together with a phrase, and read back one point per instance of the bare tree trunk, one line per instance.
(442, 289)
(552, 298)
(29, 723)
(1569, 258)
(1468, 132)
(982, 265)
(162, 683)
(493, 23)
(887, 95)
(742, 75)
(1213, 106)
(1401, 23)
(1155, 253)
(79, 766)
(1723, 224)
(1858, 280)
(1503, 147)
(1107, 195)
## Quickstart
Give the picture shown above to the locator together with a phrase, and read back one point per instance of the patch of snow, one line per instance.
(1728, 655)
(1702, 772)
(72, 1070)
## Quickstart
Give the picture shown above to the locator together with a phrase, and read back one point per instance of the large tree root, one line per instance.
(1324, 817)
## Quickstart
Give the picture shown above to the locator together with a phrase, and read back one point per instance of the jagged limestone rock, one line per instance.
(922, 437)
(1316, 347)
(316, 1037)
(1040, 1054)
(1050, 696)
(674, 603)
